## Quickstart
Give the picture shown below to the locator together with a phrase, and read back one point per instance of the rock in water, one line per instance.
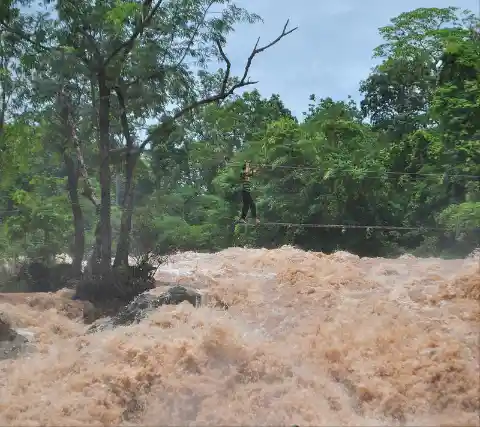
(144, 304)
(11, 342)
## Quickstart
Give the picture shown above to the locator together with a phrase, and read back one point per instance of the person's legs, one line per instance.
(246, 198)
(250, 206)
(253, 208)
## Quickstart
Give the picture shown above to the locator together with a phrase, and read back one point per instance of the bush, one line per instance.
(111, 292)
(35, 276)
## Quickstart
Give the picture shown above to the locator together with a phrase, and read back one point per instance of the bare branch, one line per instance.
(165, 127)
(127, 46)
(256, 50)
(224, 93)
(228, 64)
(208, 100)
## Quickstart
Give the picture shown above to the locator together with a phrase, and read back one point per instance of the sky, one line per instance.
(329, 53)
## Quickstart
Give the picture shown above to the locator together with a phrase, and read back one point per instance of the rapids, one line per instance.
(309, 339)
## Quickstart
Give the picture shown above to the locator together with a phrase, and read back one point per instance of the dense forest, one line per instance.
(117, 138)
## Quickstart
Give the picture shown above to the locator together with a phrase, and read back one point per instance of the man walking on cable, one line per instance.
(247, 200)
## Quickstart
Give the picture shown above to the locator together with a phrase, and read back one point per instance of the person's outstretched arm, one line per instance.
(249, 170)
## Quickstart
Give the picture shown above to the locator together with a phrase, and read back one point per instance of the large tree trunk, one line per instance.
(72, 168)
(3, 107)
(3, 91)
(78, 219)
(123, 247)
(93, 265)
(105, 175)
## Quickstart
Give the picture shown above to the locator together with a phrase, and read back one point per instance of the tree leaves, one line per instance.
(412, 164)
(122, 13)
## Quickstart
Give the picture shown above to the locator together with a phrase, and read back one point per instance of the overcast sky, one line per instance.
(330, 52)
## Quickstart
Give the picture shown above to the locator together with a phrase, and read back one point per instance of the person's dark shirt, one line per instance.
(246, 184)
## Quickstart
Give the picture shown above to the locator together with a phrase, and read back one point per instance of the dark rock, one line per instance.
(123, 285)
(62, 274)
(5, 331)
(11, 342)
(145, 303)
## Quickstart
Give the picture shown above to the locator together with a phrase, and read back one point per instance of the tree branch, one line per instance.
(66, 109)
(195, 33)
(24, 36)
(93, 44)
(129, 160)
(127, 46)
(223, 88)
(256, 50)
(78, 51)
(224, 92)
(158, 74)
(123, 118)
(166, 126)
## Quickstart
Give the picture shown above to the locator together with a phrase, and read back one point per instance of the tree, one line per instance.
(410, 99)
(174, 136)
(111, 41)
(456, 107)
(399, 91)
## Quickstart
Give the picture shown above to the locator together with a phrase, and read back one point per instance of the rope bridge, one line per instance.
(352, 226)
(378, 174)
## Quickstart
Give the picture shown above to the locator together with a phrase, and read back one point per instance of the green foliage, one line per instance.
(37, 221)
(182, 221)
(19, 147)
(461, 216)
(42, 224)
(420, 32)
(415, 163)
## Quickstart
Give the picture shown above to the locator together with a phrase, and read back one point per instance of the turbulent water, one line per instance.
(309, 339)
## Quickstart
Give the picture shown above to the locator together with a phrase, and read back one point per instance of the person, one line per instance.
(247, 200)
